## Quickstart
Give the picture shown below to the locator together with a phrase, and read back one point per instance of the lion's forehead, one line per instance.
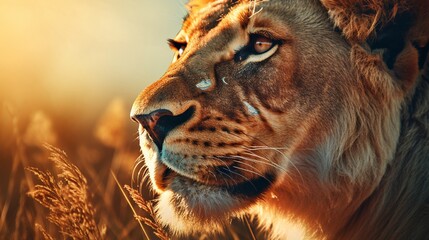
(199, 21)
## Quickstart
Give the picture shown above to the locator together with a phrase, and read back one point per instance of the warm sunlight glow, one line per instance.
(56, 52)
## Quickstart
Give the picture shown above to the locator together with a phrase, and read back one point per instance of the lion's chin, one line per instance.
(178, 215)
(189, 207)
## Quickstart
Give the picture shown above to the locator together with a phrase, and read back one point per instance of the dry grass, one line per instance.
(79, 190)
(77, 196)
(67, 198)
(148, 208)
(45, 234)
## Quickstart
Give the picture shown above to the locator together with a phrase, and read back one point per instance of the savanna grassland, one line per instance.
(45, 191)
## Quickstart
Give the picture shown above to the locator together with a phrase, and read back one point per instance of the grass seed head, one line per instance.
(67, 198)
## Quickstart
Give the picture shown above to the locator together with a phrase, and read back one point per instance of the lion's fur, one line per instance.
(358, 20)
(353, 109)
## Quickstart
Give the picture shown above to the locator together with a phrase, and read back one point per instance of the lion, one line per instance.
(311, 115)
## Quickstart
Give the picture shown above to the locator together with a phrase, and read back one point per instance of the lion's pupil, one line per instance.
(262, 44)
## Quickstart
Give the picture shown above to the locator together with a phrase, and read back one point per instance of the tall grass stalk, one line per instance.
(131, 206)
(148, 208)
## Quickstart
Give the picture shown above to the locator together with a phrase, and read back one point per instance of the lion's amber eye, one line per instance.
(259, 47)
(262, 44)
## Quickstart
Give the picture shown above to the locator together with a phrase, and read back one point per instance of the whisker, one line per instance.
(218, 169)
(138, 161)
(140, 171)
(214, 175)
(269, 163)
(254, 147)
(226, 183)
(267, 160)
(238, 174)
(141, 183)
(253, 172)
(140, 174)
(286, 157)
(266, 147)
(246, 179)
(289, 161)
(227, 168)
(259, 173)
(145, 175)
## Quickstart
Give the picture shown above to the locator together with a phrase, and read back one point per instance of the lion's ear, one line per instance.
(397, 29)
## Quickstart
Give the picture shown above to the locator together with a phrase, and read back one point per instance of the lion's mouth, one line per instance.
(251, 188)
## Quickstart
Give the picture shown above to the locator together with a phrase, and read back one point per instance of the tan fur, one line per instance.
(342, 138)
(358, 19)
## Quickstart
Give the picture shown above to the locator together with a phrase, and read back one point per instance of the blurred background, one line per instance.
(71, 57)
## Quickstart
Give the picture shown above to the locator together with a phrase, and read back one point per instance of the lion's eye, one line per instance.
(258, 49)
(180, 51)
(262, 44)
(179, 47)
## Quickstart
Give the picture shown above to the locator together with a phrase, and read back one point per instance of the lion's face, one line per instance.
(253, 94)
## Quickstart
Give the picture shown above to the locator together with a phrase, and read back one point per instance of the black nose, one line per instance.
(160, 122)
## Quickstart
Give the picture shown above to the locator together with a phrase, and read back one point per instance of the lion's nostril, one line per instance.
(160, 122)
(151, 122)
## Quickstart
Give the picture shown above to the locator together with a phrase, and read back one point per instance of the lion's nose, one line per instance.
(160, 122)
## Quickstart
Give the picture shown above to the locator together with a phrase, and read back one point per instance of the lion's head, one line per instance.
(267, 107)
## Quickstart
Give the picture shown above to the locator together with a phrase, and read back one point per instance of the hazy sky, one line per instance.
(58, 53)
